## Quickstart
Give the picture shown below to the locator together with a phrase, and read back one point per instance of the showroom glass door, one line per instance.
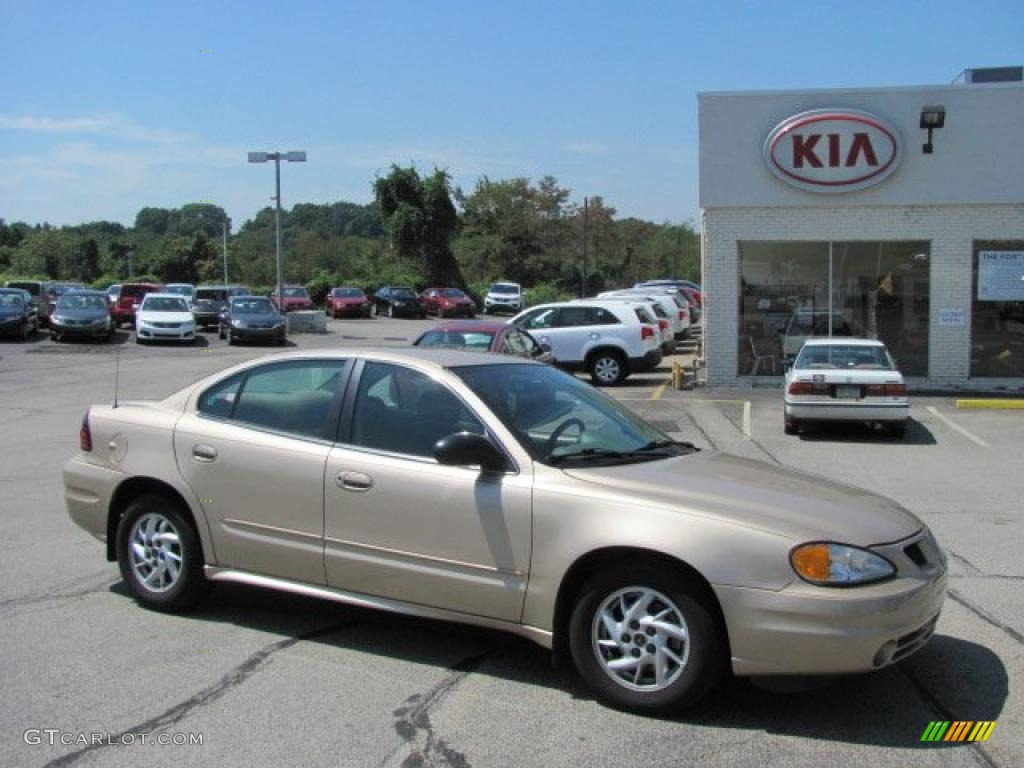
(791, 291)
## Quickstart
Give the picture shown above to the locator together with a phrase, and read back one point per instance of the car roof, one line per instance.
(845, 341)
(464, 326)
(162, 296)
(86, 292)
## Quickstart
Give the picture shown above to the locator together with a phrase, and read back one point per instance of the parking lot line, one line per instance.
(953, 425)
(746, 419)
(656, 394)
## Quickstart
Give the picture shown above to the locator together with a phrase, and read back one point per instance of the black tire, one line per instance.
(791, 427)
(607, 368)
(54, 336)
(704, 650)
(189, 586)
(897, 429)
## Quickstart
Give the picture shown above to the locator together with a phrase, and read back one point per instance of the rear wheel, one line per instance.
(645, 639)
(791, 427)
(159, 555)
(607, 368)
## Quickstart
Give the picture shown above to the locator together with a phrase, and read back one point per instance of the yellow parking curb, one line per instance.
(992, 403)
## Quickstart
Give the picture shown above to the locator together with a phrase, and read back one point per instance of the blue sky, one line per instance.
(106, 107)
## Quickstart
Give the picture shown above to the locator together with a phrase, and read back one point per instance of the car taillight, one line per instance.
(887, 390)
(683, 314)
(807, 388)
(646, 332)
(85, 434)
(663, 323)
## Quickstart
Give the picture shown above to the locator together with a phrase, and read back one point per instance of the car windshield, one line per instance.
(403, 293)
(562, 421)
(249, 306)
(11, 300)
(831, 356)
(164, 304)
(504, 288)
(77, 301)
(295, 293)
(453, 293)
(181, 290)
(478, 340)
(211, 294)
(347, 293)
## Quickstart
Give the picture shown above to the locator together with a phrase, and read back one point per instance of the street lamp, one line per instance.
(291, 157)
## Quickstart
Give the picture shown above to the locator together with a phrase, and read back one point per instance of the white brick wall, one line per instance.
(950, 229)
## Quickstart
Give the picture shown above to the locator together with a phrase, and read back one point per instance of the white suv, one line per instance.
(677, 314)
(505, 297)
(610, 339)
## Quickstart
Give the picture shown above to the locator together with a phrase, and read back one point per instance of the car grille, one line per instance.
(259, 326)
(166, 325)
(913, 641)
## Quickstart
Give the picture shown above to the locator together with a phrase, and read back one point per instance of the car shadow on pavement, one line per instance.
(949, 679)
(840, 432)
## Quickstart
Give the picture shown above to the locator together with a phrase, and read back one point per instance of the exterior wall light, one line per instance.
(932, 118)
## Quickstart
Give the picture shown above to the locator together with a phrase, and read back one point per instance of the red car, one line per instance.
(123, 310)
(486, 336)
(295, 298)
(448, 302)
(347, 302)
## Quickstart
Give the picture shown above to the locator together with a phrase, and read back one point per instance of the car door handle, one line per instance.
(354, 481)
(202, 452)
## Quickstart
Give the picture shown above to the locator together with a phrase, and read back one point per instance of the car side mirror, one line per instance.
(544, 349)
(467, 449)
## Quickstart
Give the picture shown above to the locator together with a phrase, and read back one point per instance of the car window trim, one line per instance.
(344, 433)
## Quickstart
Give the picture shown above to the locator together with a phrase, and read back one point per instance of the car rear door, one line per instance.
(254, 452)
(399, 525)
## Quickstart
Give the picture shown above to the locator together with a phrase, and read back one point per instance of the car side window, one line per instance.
(401, 410)
(531, 347)
(292, 397)
(539, 318)
(513, 345)
(600, 316)
(570, 317)
(219, 399)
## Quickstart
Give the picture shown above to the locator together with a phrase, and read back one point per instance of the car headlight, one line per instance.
(237, 324)
(99, 321)
(838, 565)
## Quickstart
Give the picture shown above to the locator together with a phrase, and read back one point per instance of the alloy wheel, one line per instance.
(155, 552)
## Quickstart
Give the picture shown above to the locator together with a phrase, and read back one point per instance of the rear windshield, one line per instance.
(452, 293)
(78, 301)
(181, 290)
(403, 293)
(504, 288)
(31, 287)
(296, 293)
(134, 290)
(832, 356)
(164, 304)
(252, 306)
(347, 293)
(212, 294)
(478, 340)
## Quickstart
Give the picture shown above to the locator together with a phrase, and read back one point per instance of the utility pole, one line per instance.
(583, 285)
(225, 252)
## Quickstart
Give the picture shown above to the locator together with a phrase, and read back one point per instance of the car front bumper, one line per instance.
(808, 630)
(91, 331)
(503, 306)
(837, 410)
(257, 334)
(351, 310)
(165, 334)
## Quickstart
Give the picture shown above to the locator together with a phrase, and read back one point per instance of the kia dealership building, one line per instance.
(890, 213)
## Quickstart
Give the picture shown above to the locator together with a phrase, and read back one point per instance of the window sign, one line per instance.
(1001, 276)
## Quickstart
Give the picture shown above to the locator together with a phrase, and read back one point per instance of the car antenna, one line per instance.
(117, 367)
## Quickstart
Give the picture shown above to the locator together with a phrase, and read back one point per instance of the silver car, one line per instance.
(507, 494)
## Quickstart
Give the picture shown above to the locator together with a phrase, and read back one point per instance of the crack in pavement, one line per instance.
(699, 428)
(984, 615)
(412, 721)
(974, 572)
(97, 585)
(230, 681)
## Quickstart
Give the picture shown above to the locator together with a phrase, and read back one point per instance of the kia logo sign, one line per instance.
(833, 150)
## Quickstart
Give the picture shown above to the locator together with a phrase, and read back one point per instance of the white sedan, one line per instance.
(165, 317)
(843, 379)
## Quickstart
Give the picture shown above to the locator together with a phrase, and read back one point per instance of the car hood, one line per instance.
(82, 314)
(257, 317)
(785, 501)
(11, 311)
(165, 317)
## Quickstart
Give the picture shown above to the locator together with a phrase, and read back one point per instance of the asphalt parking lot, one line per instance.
(271, 679)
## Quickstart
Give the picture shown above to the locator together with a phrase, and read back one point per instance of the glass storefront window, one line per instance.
(997, 310)
(790, 291)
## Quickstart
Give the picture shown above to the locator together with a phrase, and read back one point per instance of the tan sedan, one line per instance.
(504, 493)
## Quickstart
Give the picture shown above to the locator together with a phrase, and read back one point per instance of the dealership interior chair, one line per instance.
(759, 358)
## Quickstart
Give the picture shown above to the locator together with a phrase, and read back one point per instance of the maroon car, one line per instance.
(123, 310)
(486, 336)
(347, 302)
(295, 298)
(448, 302)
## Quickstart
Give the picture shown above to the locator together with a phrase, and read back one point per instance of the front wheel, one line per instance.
(159, 555)
(645, 639)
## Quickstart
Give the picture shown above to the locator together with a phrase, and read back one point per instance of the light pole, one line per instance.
(225, 253)
(291, 157)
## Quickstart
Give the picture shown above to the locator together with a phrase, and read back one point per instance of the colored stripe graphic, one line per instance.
(958, 730)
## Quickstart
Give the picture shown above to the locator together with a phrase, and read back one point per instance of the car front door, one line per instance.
(399, 525)
(254, 452)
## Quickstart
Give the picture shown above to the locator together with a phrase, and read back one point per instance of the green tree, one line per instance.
(421, 221)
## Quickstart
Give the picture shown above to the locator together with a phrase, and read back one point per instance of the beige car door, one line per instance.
(254, 453)
(400, 525)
